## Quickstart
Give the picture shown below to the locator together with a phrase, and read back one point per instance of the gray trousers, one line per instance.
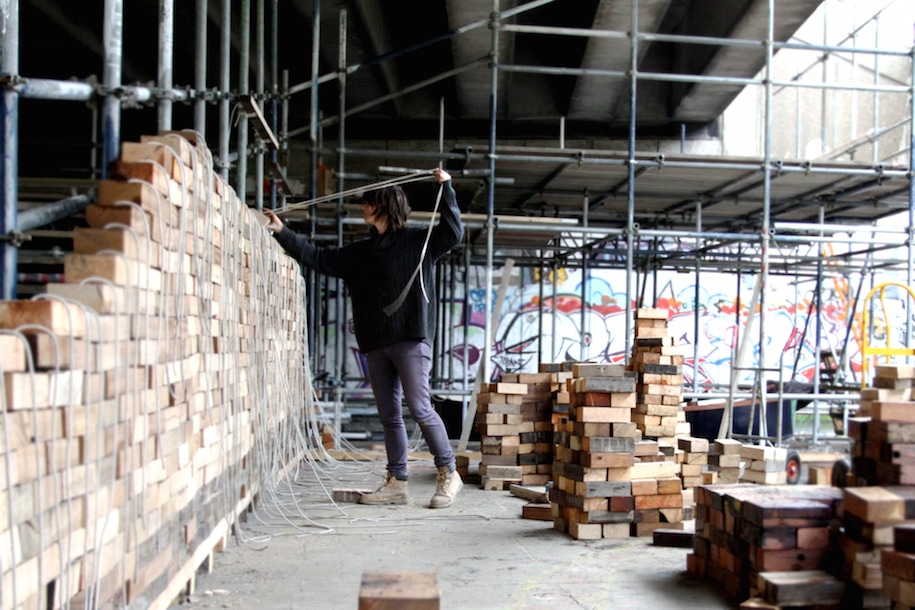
(401, 371)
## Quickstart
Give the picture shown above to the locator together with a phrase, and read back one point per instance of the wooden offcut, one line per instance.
(387, 590)
(801, 588)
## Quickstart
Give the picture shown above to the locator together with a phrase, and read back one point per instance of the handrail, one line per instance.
(866, 350)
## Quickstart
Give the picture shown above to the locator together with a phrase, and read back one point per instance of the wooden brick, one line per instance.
(382, 590)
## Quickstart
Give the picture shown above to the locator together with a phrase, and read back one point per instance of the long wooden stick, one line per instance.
(496, 312)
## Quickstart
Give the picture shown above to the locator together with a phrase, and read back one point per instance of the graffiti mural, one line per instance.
(554, 323)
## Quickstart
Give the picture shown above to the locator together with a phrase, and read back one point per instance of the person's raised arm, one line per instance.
(326, 260)
(450, 230)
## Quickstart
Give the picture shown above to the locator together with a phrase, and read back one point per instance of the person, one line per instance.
(394, 321)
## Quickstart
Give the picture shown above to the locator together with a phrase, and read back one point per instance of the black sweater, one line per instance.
(376, 270)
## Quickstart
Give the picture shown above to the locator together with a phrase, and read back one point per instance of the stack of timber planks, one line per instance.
(693, 458)
(724, 461)
(535, 452)
(560, 373)
(498, 420)
(608, 482)
(127, 453)
(884, 430)
(743, 530)
(898, 566)
(594, 452)
(658, 360)
(802, 589)
(870, 517)
(764, 465)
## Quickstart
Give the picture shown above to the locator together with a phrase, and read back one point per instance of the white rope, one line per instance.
(394, 306)
(424, 174)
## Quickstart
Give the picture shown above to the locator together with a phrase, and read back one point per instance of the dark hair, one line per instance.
(389, 203)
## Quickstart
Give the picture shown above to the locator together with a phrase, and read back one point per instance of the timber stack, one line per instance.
(132, 416)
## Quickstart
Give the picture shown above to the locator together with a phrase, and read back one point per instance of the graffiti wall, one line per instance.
(549, 320)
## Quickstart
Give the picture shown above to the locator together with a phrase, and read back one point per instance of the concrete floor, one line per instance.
(298, 550)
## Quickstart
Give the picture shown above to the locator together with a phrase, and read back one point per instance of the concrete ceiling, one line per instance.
(412, 62)
(419, 89)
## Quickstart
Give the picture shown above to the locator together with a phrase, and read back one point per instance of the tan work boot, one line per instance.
(447, 484)
(392, 491)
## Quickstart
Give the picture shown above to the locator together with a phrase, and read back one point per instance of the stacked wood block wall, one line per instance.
(724, 460)
(594, 452)
(535, 454)
(898, 565)
(884, 430)
(143, 394)
(658, 360)
(498, 420)
(764, 465)
(747, 529)
(870, 517)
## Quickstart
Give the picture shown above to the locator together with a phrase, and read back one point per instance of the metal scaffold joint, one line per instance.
(12, 82)
(15, 238)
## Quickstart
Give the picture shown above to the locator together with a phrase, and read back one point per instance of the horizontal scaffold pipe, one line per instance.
(837, 228)
(38, 217)
(618, 158)
(75, 91)
(833, 239)
(703, 40)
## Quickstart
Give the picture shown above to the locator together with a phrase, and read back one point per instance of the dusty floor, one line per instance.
(299, 550)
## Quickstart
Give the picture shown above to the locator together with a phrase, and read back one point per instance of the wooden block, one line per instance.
(181, 142)
(693, 445)
(898, 590)
(727, 446)
(655, 470)
(669, 537)
(399, 591)
(605, 384)
(597, 369)
(819, 475)
(651, 313)
(874, 504)
(904, 537)
(494, 484)
(602, 414)
(645, 447)
(59, 318)
(764, 478)
(348, 494)
(41, 390)
(895, 371)
(508, 388)
(608, 460)
(535, 493)
(801, 588)
(645, 487)
(503, 472)
(92, 241)
(538, 511)
(111, 267)
(12, 353)
(609, 444)
(586, 531)
(900, 411)
(900, 565)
